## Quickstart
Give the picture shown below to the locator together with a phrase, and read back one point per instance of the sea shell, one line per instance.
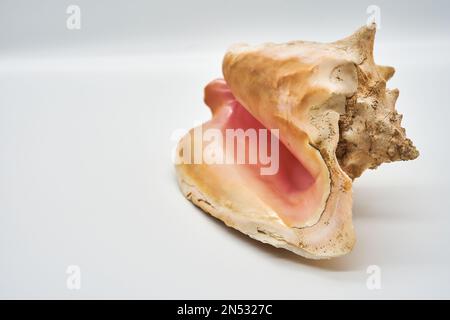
(326, 109)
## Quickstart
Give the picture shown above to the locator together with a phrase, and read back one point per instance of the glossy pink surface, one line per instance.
(292, 191)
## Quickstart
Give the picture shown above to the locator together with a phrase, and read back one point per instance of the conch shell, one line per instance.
(333, 118)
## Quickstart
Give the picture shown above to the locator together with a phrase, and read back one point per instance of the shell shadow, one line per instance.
(346, 263)
(358, 259)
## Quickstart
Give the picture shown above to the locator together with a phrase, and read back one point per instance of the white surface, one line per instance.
(86, 179)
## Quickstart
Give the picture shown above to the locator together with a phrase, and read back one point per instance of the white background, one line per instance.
(86, 121)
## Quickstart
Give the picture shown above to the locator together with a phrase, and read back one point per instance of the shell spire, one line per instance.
(370, 129)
